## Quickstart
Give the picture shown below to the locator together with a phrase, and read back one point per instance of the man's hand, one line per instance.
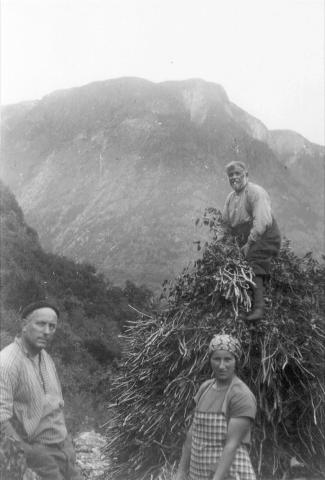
(7, 430)
(244, 249)
(27, 448)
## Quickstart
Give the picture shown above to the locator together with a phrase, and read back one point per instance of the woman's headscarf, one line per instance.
(225, 342)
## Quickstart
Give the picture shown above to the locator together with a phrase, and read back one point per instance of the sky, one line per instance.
(267, 54)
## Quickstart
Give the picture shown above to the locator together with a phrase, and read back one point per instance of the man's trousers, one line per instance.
(54, 461)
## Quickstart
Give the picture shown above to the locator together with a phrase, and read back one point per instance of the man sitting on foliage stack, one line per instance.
(247, 213)
(31, 403)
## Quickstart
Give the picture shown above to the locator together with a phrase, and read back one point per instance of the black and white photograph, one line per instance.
(162, 227)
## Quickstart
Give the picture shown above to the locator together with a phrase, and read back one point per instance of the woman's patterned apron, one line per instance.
(209, 432)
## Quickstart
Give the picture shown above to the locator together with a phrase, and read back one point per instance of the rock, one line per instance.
(89, 452)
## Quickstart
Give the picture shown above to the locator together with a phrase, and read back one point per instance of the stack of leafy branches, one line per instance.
(166, 360)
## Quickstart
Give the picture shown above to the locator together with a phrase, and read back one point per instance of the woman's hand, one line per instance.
(184, 463)
(181, 475)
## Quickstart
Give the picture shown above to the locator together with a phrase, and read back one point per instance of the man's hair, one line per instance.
(31, 307)
(236, 163)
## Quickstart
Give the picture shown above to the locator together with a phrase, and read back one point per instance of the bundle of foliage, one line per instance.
(166, 360)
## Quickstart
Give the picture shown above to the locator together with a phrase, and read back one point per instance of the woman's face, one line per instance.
(223, 364)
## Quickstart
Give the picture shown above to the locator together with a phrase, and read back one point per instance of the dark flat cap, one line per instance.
(31, 307)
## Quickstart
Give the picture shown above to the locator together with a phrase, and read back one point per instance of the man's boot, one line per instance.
(258, 292)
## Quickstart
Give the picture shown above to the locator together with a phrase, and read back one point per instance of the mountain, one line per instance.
(115, 173)
(93, 311)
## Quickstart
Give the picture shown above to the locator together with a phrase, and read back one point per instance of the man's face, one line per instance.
(39, 328)
(237, 178)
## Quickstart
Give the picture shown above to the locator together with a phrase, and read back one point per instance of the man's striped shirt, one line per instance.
(30, 395)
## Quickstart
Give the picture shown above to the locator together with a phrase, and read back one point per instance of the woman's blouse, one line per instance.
(235, 400)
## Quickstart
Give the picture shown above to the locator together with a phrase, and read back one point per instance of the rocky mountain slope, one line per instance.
(93, 311)
(116, 172)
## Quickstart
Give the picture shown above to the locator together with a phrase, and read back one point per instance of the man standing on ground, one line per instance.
(248, 214)
(31, 403)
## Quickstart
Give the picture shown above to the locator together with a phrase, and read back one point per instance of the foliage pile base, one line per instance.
(166, 360)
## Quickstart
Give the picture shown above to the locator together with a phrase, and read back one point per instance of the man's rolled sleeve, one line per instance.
(6, 394)
(225, 210)
(261, 213)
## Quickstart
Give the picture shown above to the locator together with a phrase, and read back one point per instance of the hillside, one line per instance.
(115, 173)
(93, 311)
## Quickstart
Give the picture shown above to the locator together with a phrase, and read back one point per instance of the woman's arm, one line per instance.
(237, 429)
(184, 463)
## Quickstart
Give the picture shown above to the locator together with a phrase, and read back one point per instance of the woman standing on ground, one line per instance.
(216, 445)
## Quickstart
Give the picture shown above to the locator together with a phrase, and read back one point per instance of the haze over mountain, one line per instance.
(116, 172)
